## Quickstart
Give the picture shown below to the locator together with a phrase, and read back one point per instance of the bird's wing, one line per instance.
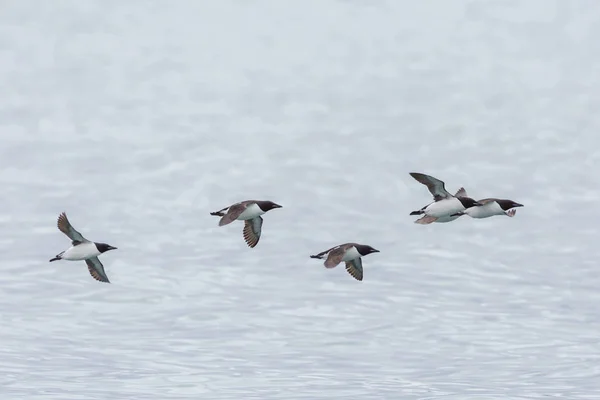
(461, 193)
(335, 256)
(65, 227)
(97, 269)
(485, 201)
(252, 230)
(435, 186)
(232, 213)
(354, 268)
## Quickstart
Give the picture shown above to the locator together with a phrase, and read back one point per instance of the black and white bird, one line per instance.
(444, 205)
(490, 207)
(459, 193)
(250, 212)
(83, 249)
(350, 253)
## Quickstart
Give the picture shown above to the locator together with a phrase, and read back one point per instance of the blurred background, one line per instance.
(138, 118)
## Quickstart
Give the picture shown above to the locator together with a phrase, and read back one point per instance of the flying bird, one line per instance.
(250, 212)
(490, 207)
(459, 193)
(444, 204)
(350, 253)
(82, 249)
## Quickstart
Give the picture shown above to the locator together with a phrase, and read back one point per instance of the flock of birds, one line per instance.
(444, 208)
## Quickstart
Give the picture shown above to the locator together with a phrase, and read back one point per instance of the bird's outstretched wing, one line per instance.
(65, 227)
(335, 256)
(461, 193)
(97, 269)
(252, 230)
(354, 268)
(486, 201)
(435, 186)
(232, 213)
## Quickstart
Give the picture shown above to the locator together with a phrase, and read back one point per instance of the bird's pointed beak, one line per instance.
(112, 248)
(477, 204)
(277, 206)
(376, 251)
(518, 205)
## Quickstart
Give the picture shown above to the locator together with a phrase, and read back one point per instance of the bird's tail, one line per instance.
(219, 213)
(417, 212)
(58, 256)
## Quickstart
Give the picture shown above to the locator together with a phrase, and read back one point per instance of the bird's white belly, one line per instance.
(487, 210)
(252, 211)
(351, 254)
(80, 252)
(444, 208)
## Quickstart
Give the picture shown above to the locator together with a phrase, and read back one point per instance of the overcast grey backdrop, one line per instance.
(138, 118)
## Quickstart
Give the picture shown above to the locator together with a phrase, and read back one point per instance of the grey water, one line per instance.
(138, 118)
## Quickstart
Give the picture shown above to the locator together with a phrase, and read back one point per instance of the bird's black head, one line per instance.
(468, 202)
(267, 205)
(103, 247)
(364, 249)
(508, 204)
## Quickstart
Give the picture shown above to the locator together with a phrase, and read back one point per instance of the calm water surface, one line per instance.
(138, 118)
